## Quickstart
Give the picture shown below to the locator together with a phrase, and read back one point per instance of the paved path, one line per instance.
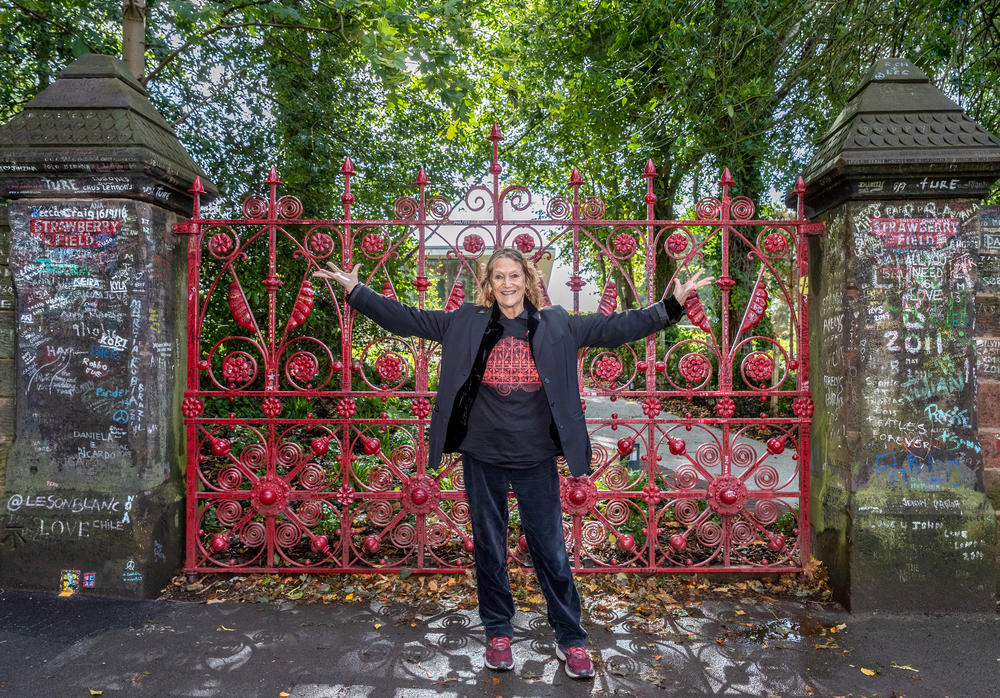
(51, 646)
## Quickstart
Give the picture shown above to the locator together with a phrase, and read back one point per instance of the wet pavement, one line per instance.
(750, 646)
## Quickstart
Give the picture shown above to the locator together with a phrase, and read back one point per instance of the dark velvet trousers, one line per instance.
(540, 509)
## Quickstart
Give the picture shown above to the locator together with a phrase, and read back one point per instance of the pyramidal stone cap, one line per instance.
(94, 133)
(899, 129)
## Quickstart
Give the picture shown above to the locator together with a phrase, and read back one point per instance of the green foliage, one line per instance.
(696, 86)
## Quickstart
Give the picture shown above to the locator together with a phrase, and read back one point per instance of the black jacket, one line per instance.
(554, 337)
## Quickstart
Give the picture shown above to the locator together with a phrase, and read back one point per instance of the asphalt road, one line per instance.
(51, 646)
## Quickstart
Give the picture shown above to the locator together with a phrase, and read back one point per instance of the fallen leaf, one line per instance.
(349, 597)
(867, 672)
(284, 694)
(228, 630)
(903, 666)
(496, 680)
(378, 625)
(96, 693)
(741, 613)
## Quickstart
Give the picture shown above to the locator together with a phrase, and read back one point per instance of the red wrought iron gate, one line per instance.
(306, 428)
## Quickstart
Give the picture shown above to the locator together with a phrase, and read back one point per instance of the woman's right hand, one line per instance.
(346, 279)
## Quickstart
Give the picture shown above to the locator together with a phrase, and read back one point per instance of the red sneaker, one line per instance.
(498, 654)
(578, 664)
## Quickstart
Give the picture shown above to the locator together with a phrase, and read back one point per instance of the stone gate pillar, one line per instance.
(898, 511)
(92, 494)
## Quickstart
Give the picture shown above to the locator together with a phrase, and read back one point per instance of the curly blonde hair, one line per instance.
(532, 279)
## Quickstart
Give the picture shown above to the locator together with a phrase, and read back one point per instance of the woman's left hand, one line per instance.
(682, 290)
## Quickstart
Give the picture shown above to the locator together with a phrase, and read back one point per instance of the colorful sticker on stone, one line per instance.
(69, 580)
(89, 580)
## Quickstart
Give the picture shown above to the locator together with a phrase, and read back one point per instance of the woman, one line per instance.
(509, 401)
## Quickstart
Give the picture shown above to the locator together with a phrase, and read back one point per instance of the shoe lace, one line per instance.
(500, 643)
(579, 653)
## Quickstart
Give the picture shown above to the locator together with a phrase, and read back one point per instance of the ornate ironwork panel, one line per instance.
(307, 425)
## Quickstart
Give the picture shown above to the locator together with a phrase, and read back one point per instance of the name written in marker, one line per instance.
(74, 232)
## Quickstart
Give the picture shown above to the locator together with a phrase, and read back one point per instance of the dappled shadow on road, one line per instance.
(394, 649)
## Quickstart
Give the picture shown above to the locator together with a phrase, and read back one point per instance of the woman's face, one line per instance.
(507, 281)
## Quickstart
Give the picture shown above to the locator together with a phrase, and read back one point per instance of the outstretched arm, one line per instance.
(597, 330)
(400, 319)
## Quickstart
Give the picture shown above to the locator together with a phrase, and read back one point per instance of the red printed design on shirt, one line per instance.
(511, 367)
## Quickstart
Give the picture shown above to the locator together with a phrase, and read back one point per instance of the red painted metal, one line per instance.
(307, 428)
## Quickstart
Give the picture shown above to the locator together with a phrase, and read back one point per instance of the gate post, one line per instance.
(899, 515)
(93, 484)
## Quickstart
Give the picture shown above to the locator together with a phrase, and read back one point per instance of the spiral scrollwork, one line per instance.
(438, 207)
(708, 455)
(310, 512)
(403, 535)
(228, 512)
(709, 533)
(289, 454)
(742, 533)
(765, 511)
(477, 198)
(685, 477)
(312, 477)
(616, 512)
(708, 208)
(518, 196)
(405, 208)
(686, 511)
(405, 457)
(253, 534)
(766, 477)
(255, 207)
(254, 456)
(742, 208)
(380, 478)
(289, 207)
(616, 477)
(559, 208)
(460, 513)
(380, 513)
(438, 534)
(594, 533)
(592, 208)
(287, 535)
(229, 478)
(744, 455)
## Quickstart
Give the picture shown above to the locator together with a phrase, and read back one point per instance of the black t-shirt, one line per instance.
(510, 418)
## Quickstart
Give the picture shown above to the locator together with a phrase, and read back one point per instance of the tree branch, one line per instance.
(222, 27)
(65, 28)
